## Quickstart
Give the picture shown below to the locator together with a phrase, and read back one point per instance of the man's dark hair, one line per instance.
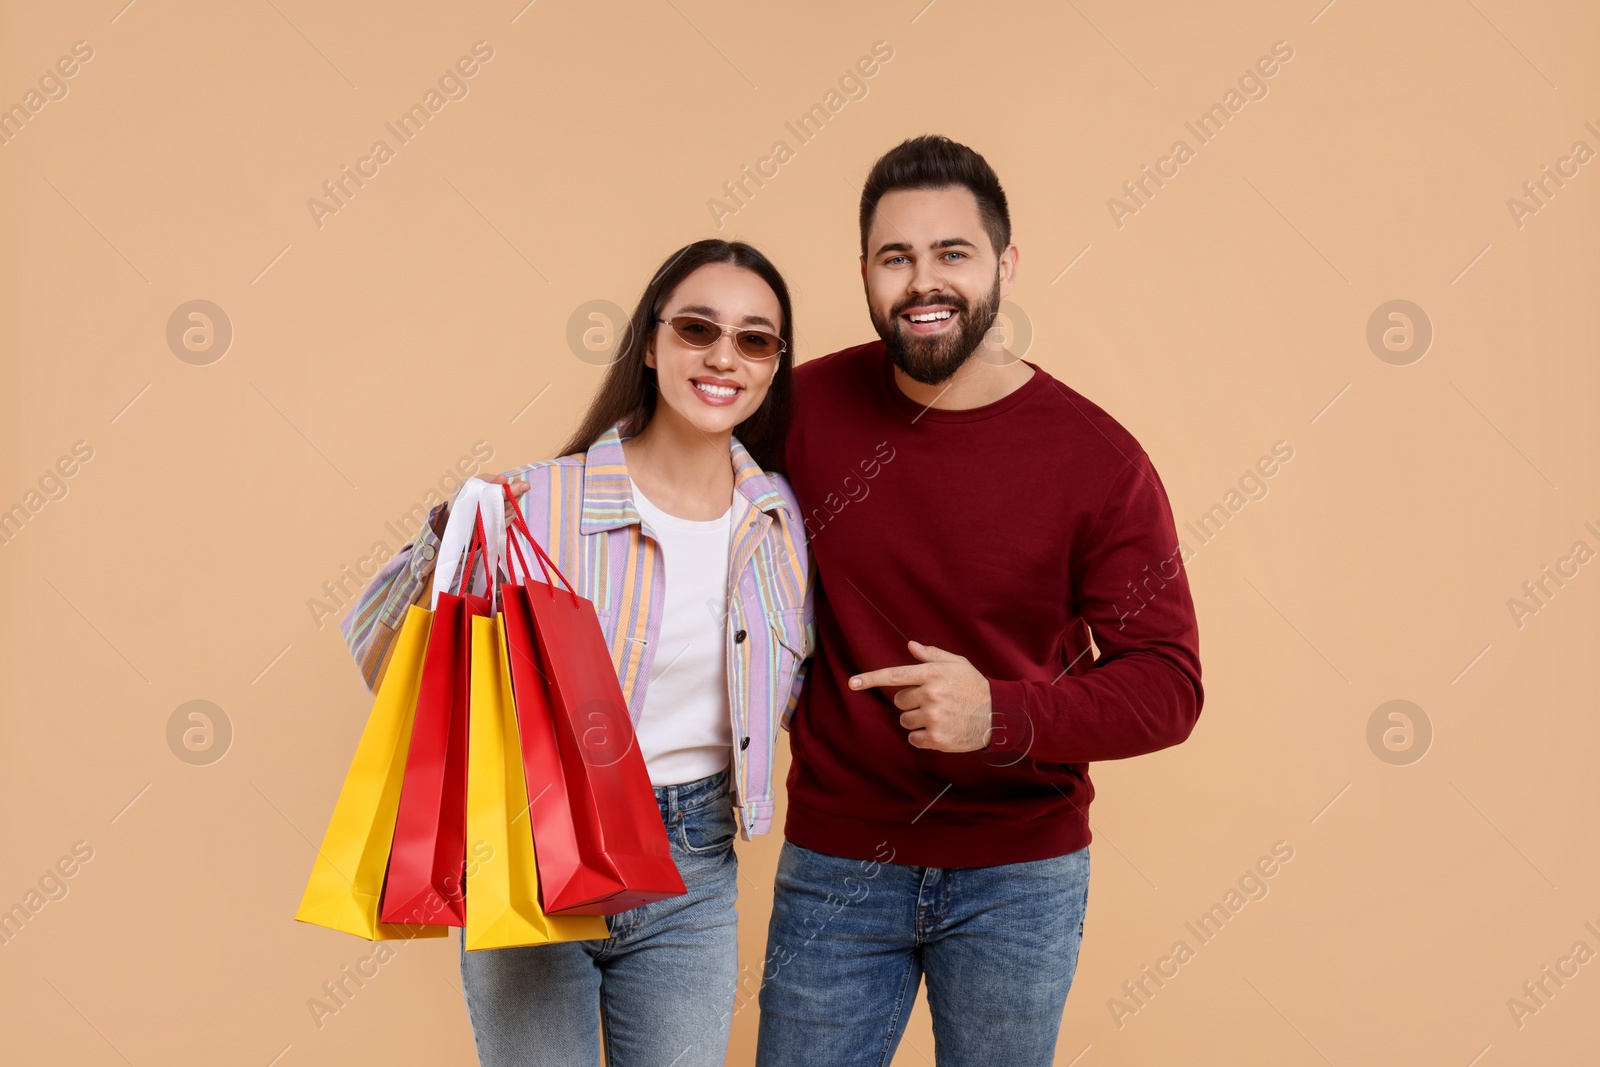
(935, 162)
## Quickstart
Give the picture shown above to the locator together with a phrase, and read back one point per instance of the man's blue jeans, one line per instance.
(664, 979)
(851, 940)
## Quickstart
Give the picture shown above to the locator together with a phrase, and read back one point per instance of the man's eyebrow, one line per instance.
(712, 313)
(944, 242)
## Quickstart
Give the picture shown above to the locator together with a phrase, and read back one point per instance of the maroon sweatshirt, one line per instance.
(1006, 534)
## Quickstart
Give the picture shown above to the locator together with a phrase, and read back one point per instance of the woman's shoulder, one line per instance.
(548, 481)
(794, 530)
(549, 470)
(780, 482)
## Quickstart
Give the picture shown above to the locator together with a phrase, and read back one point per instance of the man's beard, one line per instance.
(935, 359)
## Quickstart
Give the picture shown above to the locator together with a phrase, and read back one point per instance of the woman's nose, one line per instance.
(723, 354)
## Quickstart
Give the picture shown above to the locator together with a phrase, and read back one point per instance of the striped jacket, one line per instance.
(581, 509)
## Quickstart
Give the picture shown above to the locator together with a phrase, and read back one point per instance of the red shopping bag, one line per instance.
(599, 843)
(428, 859)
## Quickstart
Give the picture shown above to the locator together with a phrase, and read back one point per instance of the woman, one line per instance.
(664, 509)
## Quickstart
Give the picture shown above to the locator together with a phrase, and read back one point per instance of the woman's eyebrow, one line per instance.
(712, 313)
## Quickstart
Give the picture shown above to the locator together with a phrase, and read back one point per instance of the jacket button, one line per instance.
(744, 744)
(739, 637)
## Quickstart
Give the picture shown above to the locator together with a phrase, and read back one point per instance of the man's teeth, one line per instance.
(716, 390)
(932, 316)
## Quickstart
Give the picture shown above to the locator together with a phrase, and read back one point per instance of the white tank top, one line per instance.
(685, 731)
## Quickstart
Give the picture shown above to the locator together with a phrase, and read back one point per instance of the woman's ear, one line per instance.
(650, 347)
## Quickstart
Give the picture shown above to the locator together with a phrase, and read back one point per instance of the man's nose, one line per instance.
(926, 277)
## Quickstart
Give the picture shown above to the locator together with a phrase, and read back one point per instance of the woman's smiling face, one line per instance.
(714, 389)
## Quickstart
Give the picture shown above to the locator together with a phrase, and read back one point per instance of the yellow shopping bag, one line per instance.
(347, 878)
(502, 884)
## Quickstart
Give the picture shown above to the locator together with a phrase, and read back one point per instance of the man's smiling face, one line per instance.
(933, 279)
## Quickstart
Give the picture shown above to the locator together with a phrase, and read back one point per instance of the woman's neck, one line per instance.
(683, 471)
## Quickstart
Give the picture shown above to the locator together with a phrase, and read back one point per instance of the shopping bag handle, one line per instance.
(455, 540)
(480, 543)
(511, 542)
(546, 564)
(516, 551)
(465, 530)
(510, 571)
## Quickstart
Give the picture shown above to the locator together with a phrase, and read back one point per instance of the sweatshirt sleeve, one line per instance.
(1143, 693)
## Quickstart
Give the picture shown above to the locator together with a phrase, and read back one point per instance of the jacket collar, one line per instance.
(608, 496)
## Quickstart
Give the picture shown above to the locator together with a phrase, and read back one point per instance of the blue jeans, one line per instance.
(663, 981)
(851, 940)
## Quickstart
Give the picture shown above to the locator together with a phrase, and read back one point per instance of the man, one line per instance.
(973, 523)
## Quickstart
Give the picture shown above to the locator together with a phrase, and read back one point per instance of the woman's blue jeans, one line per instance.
(663, 982)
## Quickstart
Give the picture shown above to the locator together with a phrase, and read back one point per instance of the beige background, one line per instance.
(1230, 312)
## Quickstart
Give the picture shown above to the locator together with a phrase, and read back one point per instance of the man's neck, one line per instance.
(977, 382)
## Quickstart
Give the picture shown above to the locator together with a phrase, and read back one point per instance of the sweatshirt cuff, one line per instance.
(1011, 726)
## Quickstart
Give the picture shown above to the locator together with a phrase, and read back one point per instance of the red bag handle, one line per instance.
(479, 545)
(518, 522)
(546, 564)
(516, 550)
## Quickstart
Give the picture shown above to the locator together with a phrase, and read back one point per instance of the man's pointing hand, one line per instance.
(946, 704)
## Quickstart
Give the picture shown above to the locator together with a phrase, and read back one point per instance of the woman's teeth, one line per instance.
(716, 390)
